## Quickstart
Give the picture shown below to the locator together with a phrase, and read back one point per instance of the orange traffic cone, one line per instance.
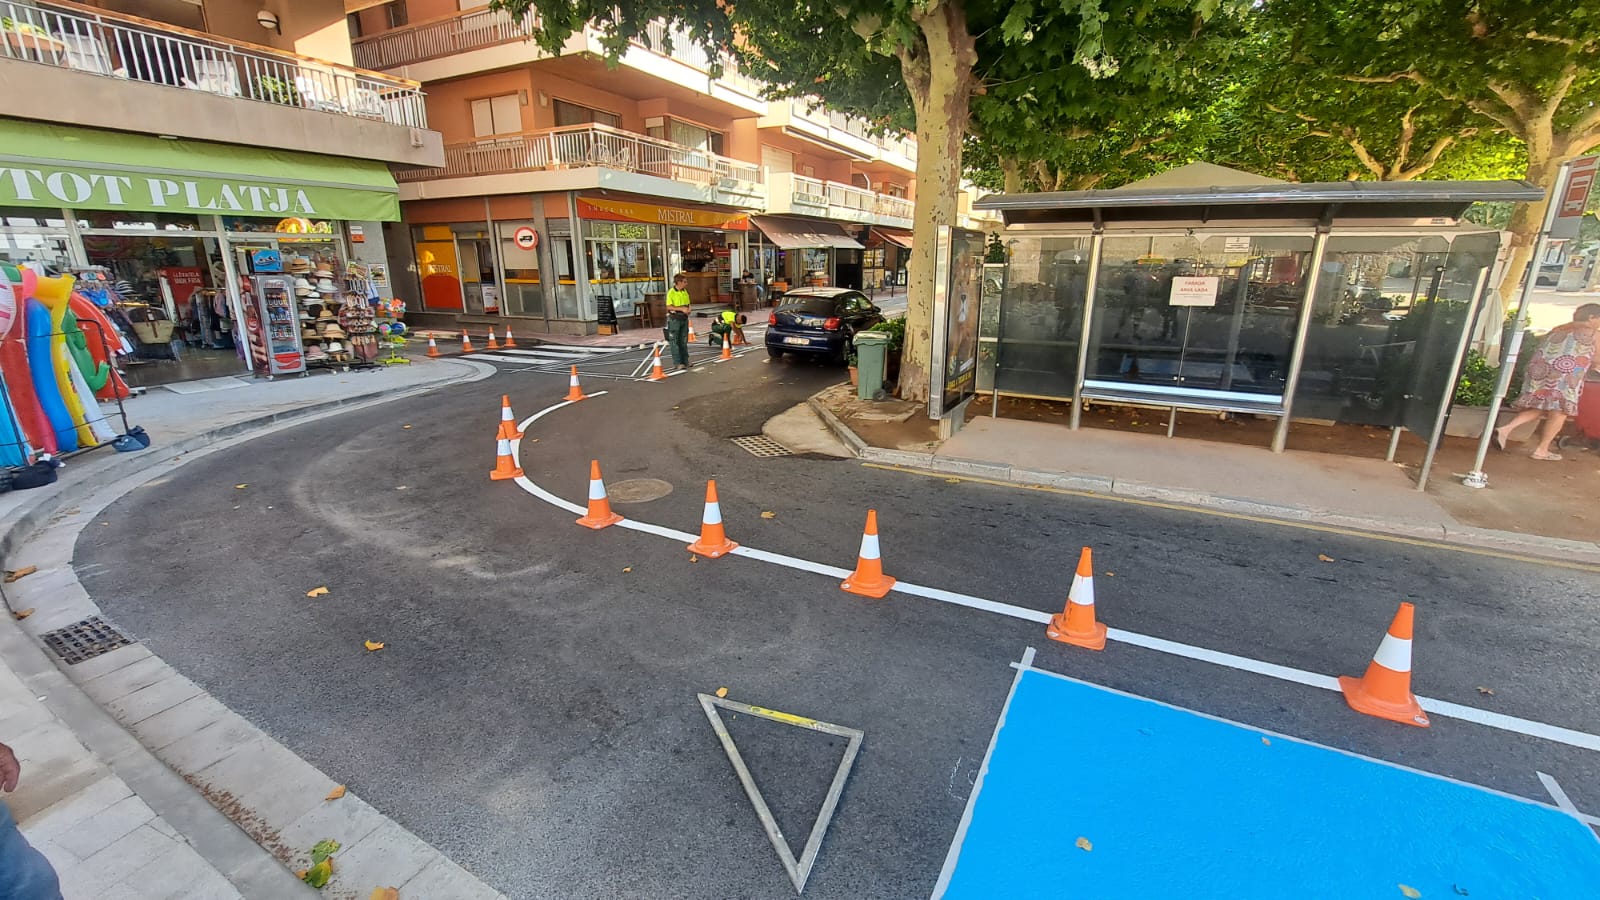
(433, 349)
(508, 422)
(575, 391)
(599, 515)
(493, 344)
(868, 579)
(691, 333)
(1076, 625)
(655, 368)
(1385, 691)
(510, 342)
(466, 342)
(503, 466)
(727, 348)
(713, 540)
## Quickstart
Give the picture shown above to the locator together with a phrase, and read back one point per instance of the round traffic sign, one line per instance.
(525, 238)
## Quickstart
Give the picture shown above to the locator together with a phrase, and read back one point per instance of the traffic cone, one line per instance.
(691, 333)
(1076, 625)
(1385, 691)
(503, 466)
(868, 579)
(727, 348)
(508, 422)
(575, 391)
(493, 344)
(466, 342)
(510, 342)
(713, 541)
(599, 515)
(655, 368)
(433, 349)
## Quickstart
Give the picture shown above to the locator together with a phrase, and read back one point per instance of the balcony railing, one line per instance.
(815, 192)
(468, 30)
(806, 108)
(587, 146)
(118, 46)
(691, 54)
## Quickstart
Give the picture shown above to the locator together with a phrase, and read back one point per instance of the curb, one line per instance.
(209, 806)
(1462, 535)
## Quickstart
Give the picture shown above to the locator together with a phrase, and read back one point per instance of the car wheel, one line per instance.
(775, 353)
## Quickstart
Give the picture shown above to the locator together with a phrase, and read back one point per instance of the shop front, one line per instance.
(794, 252)
(180, 243)
(1342, 303)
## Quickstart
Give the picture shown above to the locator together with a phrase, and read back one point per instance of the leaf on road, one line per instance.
(385, 893)
(1324, 557)
(1266, 742)
(768, 514)
(952, 481)
(1410, 891)
(20, 574)
(323, 849)
(722, 692)
(1482, 690)
(318, 875)
(405, 426)
(401, 487)
(1111, 574)
(373, 645)
(1083, 844)
(317, 591)
(21, 614)
(693, 558)
(240, 487)
(336, 793)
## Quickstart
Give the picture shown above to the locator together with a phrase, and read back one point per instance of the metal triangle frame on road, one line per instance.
(799, 870)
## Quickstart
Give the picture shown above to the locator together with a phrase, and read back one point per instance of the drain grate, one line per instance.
(85, 640)
(762, 446)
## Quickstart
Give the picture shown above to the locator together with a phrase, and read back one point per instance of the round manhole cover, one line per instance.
(638, 490)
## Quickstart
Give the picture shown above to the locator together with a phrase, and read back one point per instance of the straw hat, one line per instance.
(308, 334)
(333, 332)
(326, 285)
(297, 265)
(335, 347)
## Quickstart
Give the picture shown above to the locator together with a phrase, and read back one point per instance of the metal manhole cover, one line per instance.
(85, 640)
(638, 490)
(762, 446)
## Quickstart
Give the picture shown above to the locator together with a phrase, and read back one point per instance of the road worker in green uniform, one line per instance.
(677, 329)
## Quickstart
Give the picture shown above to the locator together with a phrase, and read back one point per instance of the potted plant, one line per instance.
(1469, 409)
(896, 329)
(850, 362)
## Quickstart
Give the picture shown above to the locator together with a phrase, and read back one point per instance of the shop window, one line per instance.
(137, 221)
(574, 114)
(27, 217)
(395, 14)
(17, 247)
(492, 116)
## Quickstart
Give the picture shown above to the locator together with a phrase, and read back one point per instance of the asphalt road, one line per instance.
(534, 714)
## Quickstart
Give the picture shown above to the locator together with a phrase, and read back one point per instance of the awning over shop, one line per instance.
(898, 238)
(57, 166)
(800, 234)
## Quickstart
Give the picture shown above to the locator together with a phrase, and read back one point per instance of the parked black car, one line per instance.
(819, 321)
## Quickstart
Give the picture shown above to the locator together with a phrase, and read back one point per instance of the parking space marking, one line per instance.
(1500, 721)
(1245, 813)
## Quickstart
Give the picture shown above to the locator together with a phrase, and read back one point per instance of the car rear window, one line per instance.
(812, 306)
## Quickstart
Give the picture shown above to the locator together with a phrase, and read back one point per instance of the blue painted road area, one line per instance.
(1091, 793)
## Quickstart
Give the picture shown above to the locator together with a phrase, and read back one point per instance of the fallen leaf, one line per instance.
(627, 568)
(768, 514)
(533, 440)
(1111, 574)
(21, 614)
(318, 875)
(240, 487)
(323, 849)
(722, 692)
(385, 893)
(20, 574)
(1266, 742)
(336, 793)
(1410, 891)
(373, 645)
(1324, 557)
(405, 426)
(401, 487)
(317, 592)
(1482, 690)
(1083, 844)
(693, 558)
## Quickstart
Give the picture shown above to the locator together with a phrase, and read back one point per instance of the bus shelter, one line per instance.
(1349, 302)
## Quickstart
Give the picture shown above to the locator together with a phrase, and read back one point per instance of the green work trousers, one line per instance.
(678, 338)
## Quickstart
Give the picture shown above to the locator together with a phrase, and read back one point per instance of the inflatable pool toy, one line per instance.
(14, 447)
(102, 340)
(46, 387)
(14, 368)
(54, 293)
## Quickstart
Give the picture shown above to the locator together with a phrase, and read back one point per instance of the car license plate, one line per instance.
(801, 341)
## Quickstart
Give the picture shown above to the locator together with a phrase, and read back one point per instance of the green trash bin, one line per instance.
(872, 359)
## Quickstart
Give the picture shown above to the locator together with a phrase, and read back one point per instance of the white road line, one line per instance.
(1563, 802)
(501, 358)
(1528, 727)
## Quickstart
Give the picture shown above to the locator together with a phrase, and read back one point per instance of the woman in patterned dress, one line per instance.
(1555, 379)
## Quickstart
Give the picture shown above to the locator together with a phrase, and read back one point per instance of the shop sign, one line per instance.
(525, 238)
(1194, 290)
(87, 188)
(358, 234)
(615, 211)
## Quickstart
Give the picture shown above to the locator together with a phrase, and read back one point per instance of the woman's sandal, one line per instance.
(1500, 440)
(1551, 457)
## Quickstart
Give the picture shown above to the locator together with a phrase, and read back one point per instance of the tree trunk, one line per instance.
(1012, 169)
(1524, 227)
(938, 72)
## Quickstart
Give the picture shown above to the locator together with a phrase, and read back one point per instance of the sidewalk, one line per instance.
(135, 782)
(1325, 488)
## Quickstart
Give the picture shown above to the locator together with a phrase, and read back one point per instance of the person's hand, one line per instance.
(10, 769)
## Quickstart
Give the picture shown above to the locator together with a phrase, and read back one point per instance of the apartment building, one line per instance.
(571, 188)
(171, 153)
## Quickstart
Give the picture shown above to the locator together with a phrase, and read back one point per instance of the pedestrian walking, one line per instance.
(24, 872)
(1554, 380)
(677, 329)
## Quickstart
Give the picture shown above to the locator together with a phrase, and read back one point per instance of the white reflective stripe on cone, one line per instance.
(713, 514)
(505, 414)
(1394, 654)
(597, 489)
(502, 447)
(869, 546)
(1082, 592)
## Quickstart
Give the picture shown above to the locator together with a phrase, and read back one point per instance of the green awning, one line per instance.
(81, 168)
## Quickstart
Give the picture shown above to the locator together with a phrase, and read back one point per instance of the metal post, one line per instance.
(1280, 437)
(1394, 443)
(231, 290)
(1095, 247)
(1450, 383)
(1477, 478)
(494, 257)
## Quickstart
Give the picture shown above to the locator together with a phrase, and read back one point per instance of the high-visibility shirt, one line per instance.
(676, 297)
(727, 316)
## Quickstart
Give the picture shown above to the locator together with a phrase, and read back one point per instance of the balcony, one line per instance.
(467, 30)
(587, 156)
(797, 194)
(69, 63)
(799, 116)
